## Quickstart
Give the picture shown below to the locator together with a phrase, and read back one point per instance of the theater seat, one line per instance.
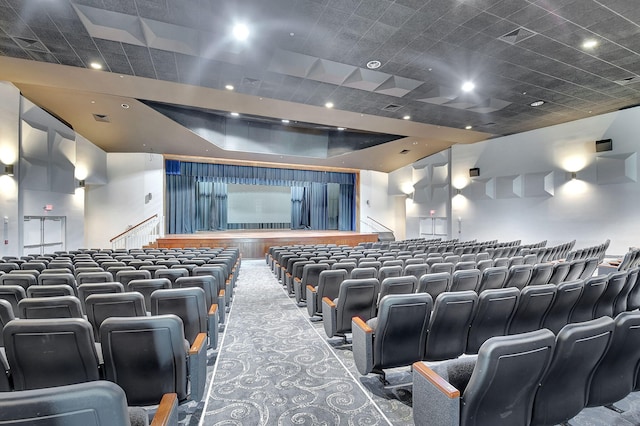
(328, 286)
(615, 283)
(187, 303)
(357, 297)
(397, 285)
(466, 279)
(567, 294)
(310, 277)
(99, 403)
(396, 337)
(584, 309)
(560, 271)
(495, 389)
(493, 316)
(533, 305)
(101, 306)
(493, 277)
(50, 307)
(6, 315)
(434, 284)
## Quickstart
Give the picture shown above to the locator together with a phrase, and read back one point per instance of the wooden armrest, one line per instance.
(213, 309)
(221, 293)
(168, 403)
(328, 302)
(445, 387)
(298, 280)
(288, 274)
(312, 288)
(198, 343)
(363, 325)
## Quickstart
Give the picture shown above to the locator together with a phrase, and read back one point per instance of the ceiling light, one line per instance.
(590, 44)
(229, 87)
(406, 117)
(536, 103)
(468, 127)
(241, 32)
(96, 65)
(329, 105)
(468, 86)
(235, 114)
(342, 128)
(285, 121)
(372, 65)
(125, 106)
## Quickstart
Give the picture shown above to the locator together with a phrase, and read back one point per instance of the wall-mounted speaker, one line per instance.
(604, 145)
(475, 172)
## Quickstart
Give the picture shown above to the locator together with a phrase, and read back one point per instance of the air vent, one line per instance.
(628, 80)
(404, 151)
(30, 44)
(516, 36)
(101, 117)
(392, 107)
(487, 124)
(250, 82)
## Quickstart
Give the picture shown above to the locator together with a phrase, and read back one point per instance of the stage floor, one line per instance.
(255, 243)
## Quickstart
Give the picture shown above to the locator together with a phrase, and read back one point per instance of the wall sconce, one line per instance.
(8, 170)
(81, 183)
(573, 175)
(458, 191)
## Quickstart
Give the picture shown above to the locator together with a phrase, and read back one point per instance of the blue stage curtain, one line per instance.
(297, 196)
(346, 211)
(181, 204)
(318, 206)
(204, 203)
(220, 206)
(333, 205)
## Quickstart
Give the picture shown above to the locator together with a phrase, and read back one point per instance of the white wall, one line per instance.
(122, 202)
(375, 201)
(9, 147)
(524, 190)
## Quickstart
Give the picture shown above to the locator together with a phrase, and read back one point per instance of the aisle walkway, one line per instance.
(274, 368)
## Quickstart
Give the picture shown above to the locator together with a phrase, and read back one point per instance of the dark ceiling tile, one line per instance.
(481, 21)
(121, 6)
(118, 64)
(70, 59)
(108, 46)
(53, 40)
(379, 32)
(165, 64)
(140, 60)
(344, 5)
(460, 35)
(527, 14)
(413, 4)
(372, 9)
(396, 15)
(505, 8)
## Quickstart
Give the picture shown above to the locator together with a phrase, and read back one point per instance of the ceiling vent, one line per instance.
(101, 117)
(404, 151)
(516, 36)
(250, 82)
(628, 80)
(30, 44)
(392, 107)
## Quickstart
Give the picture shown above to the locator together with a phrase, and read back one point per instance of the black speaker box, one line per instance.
(475, 172)
(604, 145)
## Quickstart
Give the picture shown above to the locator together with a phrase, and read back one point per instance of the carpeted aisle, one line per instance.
(274, 368)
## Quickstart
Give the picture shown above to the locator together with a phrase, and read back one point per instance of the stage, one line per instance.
(254, 244)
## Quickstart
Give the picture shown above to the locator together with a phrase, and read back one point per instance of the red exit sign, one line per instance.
(48, 207)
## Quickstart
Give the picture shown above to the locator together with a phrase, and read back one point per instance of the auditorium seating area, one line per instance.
(477, 327)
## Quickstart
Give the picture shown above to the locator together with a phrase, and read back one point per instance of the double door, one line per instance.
(44, 234)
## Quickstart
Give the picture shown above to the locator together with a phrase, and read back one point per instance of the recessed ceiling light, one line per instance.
(329, 105)
(372, 65)
(468, 86)
(234, 114)
(590, 44)
(96, 65)
(241, 32)
(229, 87)
(406, 117)
(342, 128)
(536, 103)
(285, 121)
(93, 102)
(468, 127)
(415, 143)
(292, 34)
(125, 106)
(524, 93)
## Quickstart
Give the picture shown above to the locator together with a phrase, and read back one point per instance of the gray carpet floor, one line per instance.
(275, 366)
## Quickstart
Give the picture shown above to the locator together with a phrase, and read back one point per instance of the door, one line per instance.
(44, 234)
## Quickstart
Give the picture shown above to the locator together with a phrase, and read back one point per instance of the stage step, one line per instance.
(386, 236)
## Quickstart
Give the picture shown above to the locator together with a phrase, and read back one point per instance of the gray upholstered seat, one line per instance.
(6, 315)
(364, 272)
(100, 306)
(88, 289)
(310, 277)
(463, 280)
(397, 285)
(389, 271)
(357, 297)
(615, 283)
(125, 276)
(493, 316)
(496, 388)
(519, 276)
(328, 286)
(416, 269)
(50, 290)
(98, 403)
(541, 273)
(442, 267)
(590, 266)
(396, 337)
(93, 277)
(68, 343)
(147, 286)
(621, 303)
(24, 280)
(13, 294)
(147, 357)
(533, 305)
(564, 390)
(50, 307)
(190, 305)
(347, 266)
(585, 307)
(449, 325)
(434, 284)
(567, 295)
(633, 299)
(484, 264)
(221, 276)
(493, 277)
(576, 267)
(560, 271)
(463, 266)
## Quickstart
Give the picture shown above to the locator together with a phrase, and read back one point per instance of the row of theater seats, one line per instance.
(106, 332)
(534, 378)
(630, 260)
(461, 321)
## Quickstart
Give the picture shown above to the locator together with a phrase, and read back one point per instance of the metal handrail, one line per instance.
(385, 227)
(133, 228)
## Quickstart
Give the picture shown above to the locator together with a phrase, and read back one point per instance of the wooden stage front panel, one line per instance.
(254, 244)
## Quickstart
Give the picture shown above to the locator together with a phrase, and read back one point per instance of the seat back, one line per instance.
(417, 270)
(493, 316)
(187, 303)
(58, 278)
(434, 284)
(615, 377)
(442, 267)
(615, 283)
(463, 266)
(585, 307)
(101, 306)
(205, 282)
(389, 271)
(560, 271)
(633, 300)
(50, 290)
(6, 315)
(492, 278)
(346, 266)
(22, 279)
(171, 274)
(463, 280)
(94, 277)
(449, 325)
(519, 276)
(564, 389)
(541, 273)
(311, 273)
(397, 285)
(13, 294)
(590, 266)
(567, 294)
(85, 290)
(533, 305)
(363, 273)
(401, 329)
(124, 277)
(145, 356)
(484, 264)
(147, 286)
(44, 353)
(98, 403)
(576, 267)
(329, 284)
(502, 386)
(622, 301)
(356, 298)
(50, 307)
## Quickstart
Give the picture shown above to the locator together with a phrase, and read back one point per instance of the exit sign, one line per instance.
(48, 207)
